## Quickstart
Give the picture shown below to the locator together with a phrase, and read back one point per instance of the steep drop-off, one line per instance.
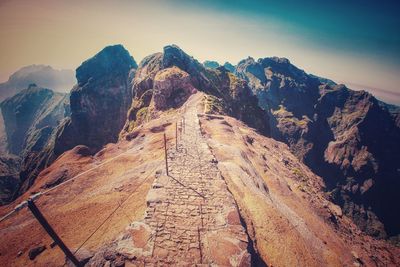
(30, 119)
(177, 73)
(99, 101)
(347, 137)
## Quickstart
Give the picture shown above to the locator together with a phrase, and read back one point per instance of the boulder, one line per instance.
(172, 87)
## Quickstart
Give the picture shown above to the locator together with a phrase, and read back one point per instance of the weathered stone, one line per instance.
(34, 252)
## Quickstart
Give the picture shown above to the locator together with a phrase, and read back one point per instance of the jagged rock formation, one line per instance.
(29, 111)
(9, 177)
(30, 118)
(227, 93)
(345, 136)
(171, 88)
(99, 101)
(214, 65)
(253, 184)
(211, 64)
(41, 124)
(260, 201)
(229, 67)
(3, 137)
(43, 76)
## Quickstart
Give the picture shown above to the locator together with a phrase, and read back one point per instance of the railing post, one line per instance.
(43, 222)
(176, 136)
(165, 153)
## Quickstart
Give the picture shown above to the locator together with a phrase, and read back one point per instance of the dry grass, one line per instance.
(289, 217)
(77, 208)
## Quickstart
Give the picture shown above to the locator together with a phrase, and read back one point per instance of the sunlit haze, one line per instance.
(315, 38)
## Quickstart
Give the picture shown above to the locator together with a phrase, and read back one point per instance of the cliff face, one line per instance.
(360, 160)
(175, 74)
(40, 125)
(9, 177)
(99, 101)
(28, 111)
(345, 136)
(281, 211)
(30, 118)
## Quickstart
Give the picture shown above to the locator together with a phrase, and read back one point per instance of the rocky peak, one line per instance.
(174, 56)
(175, 72)
(145, 73)
(30, 118)
(21, 112)
(111, 61)
(211, 64)
(172, 87)
(41, 75)
(248, 60)
(99, 101)
(229, 67)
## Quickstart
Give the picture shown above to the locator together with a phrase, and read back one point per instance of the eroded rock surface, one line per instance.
(172, 87)
(99, 101)
(347, 137)
(30, 119)
(191, 217)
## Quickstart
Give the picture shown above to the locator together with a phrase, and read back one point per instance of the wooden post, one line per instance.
(176, 136)
(181, 127)
(165, 153)
(43, 222)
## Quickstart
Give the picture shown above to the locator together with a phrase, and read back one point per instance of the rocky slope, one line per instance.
(211, 64)
(41, 124)
(345, 136)
(174, 75)
(43, 76)
(9, 177)
(233, 196)
(3, 136)
(29, 111)
(30, 119)
(287, 217)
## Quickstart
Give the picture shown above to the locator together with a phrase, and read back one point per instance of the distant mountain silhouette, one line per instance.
(41, 75)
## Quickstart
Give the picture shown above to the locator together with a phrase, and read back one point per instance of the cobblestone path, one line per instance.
(191, 218)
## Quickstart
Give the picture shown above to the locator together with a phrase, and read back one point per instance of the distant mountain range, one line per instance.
(41, 75)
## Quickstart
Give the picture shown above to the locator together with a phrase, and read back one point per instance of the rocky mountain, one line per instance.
(30, 118)
(229, 67)
(271, 166)
(260, 202)
(99, 102)
(9, 177)
(3, 136)
(211, 64)
(344, 136)
(42, 75)
(40, 124)
(165, 80)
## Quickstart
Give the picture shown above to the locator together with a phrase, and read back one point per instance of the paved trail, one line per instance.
(191, 218)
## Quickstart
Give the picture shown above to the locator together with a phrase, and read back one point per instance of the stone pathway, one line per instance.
(191, 218)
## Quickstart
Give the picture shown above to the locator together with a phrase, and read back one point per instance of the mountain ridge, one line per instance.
(296, 138)
(42, 75)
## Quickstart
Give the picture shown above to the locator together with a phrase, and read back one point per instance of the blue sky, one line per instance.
(371, 28)
(352, 42)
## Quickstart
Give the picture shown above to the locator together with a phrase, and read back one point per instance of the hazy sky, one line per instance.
(355, 43)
